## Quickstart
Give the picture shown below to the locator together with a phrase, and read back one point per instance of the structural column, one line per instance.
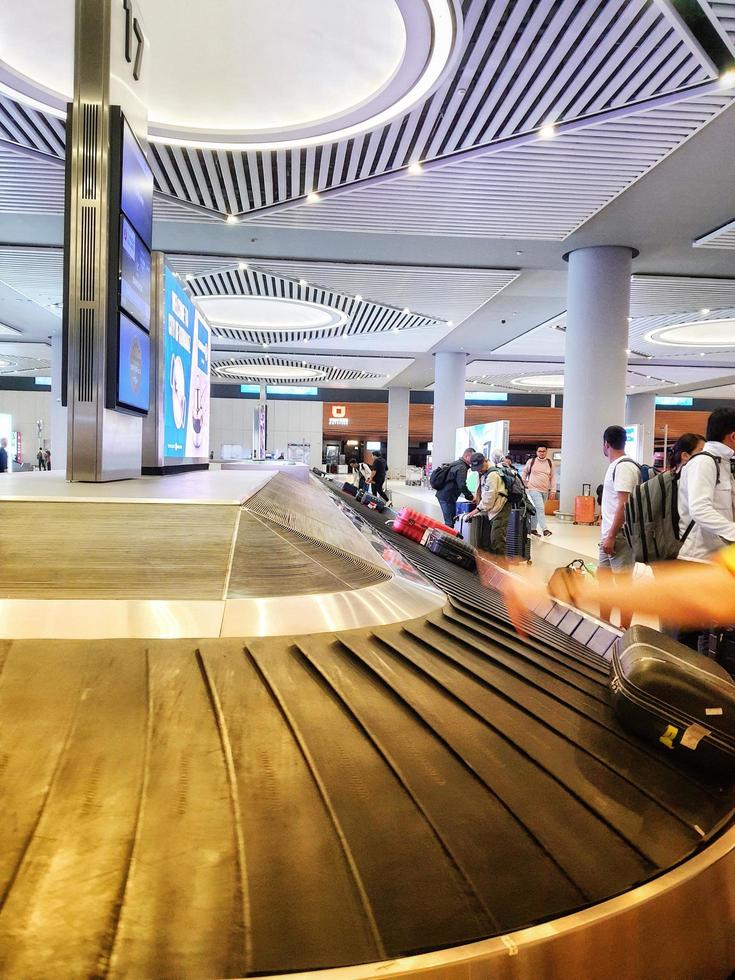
(641, 410)
(449, 388)
(595, 361)
(398, 408)
(58, 411)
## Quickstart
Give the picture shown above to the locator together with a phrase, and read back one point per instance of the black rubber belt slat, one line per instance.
(395, 844)
(485, 838)
(545, 808)
(636, 818)
(600, 741)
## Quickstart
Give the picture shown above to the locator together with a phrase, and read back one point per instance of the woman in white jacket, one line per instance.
(706, 492)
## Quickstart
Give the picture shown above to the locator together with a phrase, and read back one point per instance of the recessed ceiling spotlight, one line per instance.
(415, 168)
(395, 330)
(461, 91)
(232, 219)
(727, 79)
(702, 354)
(405, 310)
(450, 323)
(303, 282)
(358, 298)
(312, 197)
(189, 277)
(547, 131)
(242, 266)
(704, 311)
(627, 350)
(630, 319)
(519, 251)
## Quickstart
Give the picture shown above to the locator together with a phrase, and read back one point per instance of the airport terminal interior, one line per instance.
(257, 719)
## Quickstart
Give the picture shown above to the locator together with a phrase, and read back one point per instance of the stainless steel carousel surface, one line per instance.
(433, 797)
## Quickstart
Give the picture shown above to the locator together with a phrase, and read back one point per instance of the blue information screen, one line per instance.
(135, 275)
(134, 366)
(186, 354)
(136, 195)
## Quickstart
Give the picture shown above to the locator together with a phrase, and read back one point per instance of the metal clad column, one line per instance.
(58, 411)
(398, 408)
(641, 410)
(102, 444)
(449, 386)
(598, 304)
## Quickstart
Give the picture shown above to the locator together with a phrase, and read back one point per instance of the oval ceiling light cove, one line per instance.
(697, 334)
(253, 76)
(540, 381)
(270, 372)
(263, 314)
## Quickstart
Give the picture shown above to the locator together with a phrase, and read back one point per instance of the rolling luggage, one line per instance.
(411, 524)
(584, 506)
(518, 542)
(452, 548)
(676, 698)
(350, 488)
(460, 522)
(373, 502)
(551, 507)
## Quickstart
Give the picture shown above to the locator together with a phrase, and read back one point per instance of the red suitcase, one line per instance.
(411, 524)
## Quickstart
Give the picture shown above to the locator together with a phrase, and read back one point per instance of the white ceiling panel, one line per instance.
(36, 273)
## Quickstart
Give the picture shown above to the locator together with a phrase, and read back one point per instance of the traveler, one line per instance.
(41, 458)
(377, 476)
(353, 471)
(622, 477)
(493, 503)
(450, 483)
(706, 490)
(540, 480)
(3, 455)
(683, 449)
(365, 475)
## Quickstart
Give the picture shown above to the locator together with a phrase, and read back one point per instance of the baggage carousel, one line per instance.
(433, 796)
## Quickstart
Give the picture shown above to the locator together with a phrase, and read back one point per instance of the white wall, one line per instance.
(26, 407)
(288, 421)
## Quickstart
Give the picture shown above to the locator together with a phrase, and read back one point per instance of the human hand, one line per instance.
(608, 545)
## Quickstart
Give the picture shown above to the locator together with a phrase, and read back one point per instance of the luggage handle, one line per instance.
(589, 490)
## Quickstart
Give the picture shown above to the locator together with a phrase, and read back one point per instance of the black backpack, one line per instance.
(514, 487)
(438, 478)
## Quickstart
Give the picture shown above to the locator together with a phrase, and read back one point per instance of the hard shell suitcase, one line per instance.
(584, 506)
(517, 542)
(452, 548)
(412, 524)
(373, 502)
(675, 698)
(350, 488)
(480, 532)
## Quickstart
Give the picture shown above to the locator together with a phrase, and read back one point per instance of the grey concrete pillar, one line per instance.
(449, 385)
(58, 411)
(641, 410)
(598, 304)
(398, 408)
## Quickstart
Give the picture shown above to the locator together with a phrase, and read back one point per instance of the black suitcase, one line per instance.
(350, 488)
(480, 532)
(518, 542)
(452, 548)
(373, 502)
(674, 697)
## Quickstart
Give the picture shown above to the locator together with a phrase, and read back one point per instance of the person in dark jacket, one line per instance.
(3, 455)
(455, 485)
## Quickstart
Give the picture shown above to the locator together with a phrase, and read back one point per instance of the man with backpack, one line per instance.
(540, 479)
(450, 482)
(622, 477)
(493, 503)
(706, 488)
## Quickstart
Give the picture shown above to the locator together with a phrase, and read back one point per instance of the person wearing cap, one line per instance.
(493, 504)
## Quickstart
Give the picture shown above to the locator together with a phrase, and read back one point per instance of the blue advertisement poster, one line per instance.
(186, 353)
(134, 366)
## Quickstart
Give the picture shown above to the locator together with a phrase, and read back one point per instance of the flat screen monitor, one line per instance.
(135, 275)
(133, 366)
(136, 191)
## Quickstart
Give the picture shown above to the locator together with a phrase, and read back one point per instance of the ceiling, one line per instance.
(465, 149)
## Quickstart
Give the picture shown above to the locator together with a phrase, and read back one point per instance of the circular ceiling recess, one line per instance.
(257, 75)
(274, 372)
(540, 381)
(269, 315)
(697, 334)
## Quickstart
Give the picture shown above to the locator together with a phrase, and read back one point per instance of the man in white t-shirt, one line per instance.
(622, 477)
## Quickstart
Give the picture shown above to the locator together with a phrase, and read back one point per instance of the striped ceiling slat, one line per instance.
(36, 273)
(522, 63)
(30, 184)
(541, 190)
(723, 237)
(370, 372)
(722, 15)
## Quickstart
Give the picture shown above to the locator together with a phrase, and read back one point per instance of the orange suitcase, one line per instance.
(584, 506)
(550, 507)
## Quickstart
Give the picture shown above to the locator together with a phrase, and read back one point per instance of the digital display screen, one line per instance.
(136, 192)
(186, 354)
(135, 275)
(133, 366)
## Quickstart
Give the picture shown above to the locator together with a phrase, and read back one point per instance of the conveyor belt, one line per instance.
(241, 807)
